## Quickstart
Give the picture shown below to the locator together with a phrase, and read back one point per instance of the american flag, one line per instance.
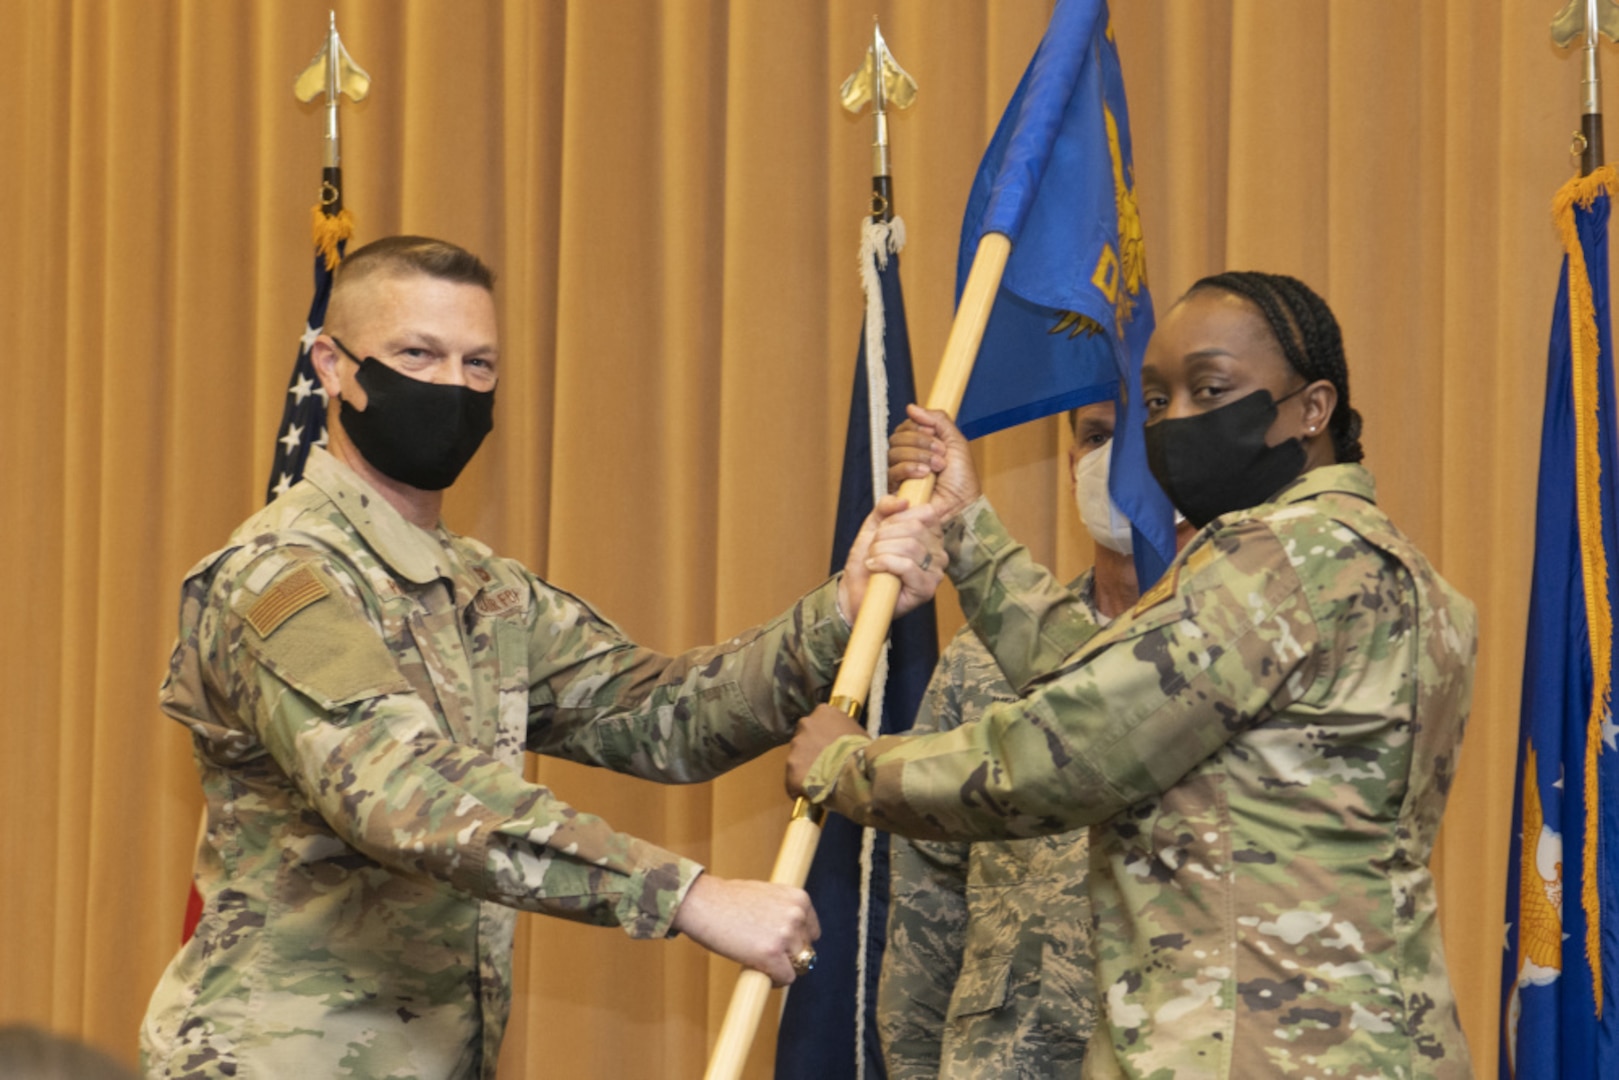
(303, 414)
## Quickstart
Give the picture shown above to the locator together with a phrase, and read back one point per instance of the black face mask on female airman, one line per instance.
(1216, 462)
(418, 433)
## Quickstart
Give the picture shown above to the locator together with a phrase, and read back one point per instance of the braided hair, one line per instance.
(1305, 328)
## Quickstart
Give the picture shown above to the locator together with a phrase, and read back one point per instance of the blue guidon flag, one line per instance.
(1073, 316)
(1559, 1013)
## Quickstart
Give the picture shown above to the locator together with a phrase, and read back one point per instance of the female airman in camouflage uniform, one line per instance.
(1263, 746)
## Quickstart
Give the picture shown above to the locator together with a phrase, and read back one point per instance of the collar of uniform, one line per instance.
(1084, 588)
(410, 551)
(1347, 479)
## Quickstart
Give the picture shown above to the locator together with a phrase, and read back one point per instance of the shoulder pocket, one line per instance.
(307, 630)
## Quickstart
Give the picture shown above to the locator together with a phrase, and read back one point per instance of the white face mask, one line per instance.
(1102, 517)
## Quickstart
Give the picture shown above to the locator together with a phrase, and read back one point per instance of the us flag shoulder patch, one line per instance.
(285, 599)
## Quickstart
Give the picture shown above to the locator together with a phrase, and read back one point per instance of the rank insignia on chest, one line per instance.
(1161, 590)
(285, 599)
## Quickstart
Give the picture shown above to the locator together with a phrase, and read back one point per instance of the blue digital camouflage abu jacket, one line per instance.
(987, 969)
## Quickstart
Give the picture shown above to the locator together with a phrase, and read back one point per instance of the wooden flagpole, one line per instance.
(865, 642)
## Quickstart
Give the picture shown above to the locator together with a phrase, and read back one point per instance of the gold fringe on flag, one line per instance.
(1585, 355)
(329, 231)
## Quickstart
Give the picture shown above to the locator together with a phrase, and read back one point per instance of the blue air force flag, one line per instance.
(1559, 1013)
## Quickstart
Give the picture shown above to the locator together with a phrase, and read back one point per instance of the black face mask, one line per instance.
(418, 433)
(1217, 462)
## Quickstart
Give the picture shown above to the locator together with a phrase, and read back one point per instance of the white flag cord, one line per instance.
(878, 239)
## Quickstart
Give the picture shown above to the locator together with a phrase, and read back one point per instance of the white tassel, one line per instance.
(878, 239)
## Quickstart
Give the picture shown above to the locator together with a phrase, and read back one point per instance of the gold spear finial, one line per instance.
(1571, 22)
(897, 88)
(880, 80)
(334, 73)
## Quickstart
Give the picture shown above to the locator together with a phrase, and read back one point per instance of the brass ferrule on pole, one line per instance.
(879, 148)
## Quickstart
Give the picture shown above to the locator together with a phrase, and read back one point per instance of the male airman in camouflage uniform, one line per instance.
(1263, 745)
(987, 971)
(360, 684)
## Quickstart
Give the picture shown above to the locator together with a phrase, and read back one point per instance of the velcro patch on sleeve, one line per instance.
(285, 599)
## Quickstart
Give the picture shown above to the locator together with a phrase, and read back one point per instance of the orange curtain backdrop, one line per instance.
(672, 198)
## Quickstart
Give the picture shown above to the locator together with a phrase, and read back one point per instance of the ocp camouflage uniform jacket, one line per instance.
(360, 693)
(1266, 742)
(987, 970)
